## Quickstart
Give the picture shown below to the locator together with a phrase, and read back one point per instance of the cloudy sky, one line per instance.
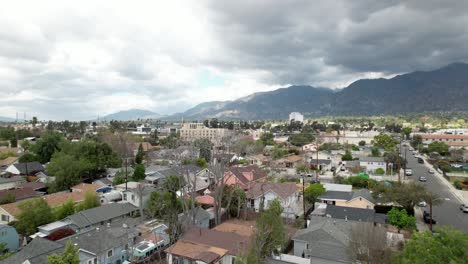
(77, 59)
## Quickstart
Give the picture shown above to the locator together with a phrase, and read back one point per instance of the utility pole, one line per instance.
(316, 164)
(303, 201)
(430, 211)
(126, 173)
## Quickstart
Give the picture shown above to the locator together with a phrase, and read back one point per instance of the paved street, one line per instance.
(448, 212)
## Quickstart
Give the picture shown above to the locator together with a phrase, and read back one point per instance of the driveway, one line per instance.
(448, 212)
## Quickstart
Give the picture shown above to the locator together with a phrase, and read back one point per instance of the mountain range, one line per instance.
(444, 89)
(132, 114)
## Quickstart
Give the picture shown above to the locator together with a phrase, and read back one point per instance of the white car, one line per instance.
(422, 204)
(431, 171)
(464, 208)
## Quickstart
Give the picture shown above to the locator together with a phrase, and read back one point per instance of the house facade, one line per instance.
(10, 237)
(243, 176)
(262, 194)
(358, 199)
(371, 164)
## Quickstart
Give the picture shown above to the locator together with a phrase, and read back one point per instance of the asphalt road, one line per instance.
(446, 213)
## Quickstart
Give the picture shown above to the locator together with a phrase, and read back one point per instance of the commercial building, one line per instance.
(296, 116)
(193, 131)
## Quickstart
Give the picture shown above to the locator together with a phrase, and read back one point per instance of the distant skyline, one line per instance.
(79, 59)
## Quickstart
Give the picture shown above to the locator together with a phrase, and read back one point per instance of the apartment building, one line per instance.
(456, 141)
(192, 131)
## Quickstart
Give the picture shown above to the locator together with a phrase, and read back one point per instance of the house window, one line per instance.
(5, 218)
(110, 253)
(125, 196)
(133, 197)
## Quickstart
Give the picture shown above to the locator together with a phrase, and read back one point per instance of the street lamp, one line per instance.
(303, 200)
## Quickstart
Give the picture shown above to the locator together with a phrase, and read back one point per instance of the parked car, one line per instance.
(457, 166)
(427, 218)
(420, 160)
(422, 204)
(431, 171)
(333, 168)
(464, 208)
(422, 179)
(408, 172)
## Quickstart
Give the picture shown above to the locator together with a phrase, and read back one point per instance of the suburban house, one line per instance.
(349, 214)
(138, 196)
(243, 176)
(5, 163)
(10, 237)
(108, 244)
(18, 194)
(10, 211)
(358, 199)
(289, 161)
(286, 193)
(197, 216)
(25, 168)
(311, 147)
(259, 160)
(323, 164)
(371, 164)
(11, 183)
(326, 240)
(205, 246)
(338, 187)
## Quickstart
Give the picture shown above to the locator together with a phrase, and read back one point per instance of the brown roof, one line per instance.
(243, 230)
(19, 194)
(8, 161)
(33, 185)
(205, 199)
(57, 199)
(283, 190)
(53, 200)
(197, 251)
(233, 242)
(85, 187)
(239, 171)
(293, 158)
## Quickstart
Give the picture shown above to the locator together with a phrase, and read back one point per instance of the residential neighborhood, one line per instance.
(189, 199)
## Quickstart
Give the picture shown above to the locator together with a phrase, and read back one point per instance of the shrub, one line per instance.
(379, 171)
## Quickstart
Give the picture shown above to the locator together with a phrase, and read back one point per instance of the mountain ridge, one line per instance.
(443, 89)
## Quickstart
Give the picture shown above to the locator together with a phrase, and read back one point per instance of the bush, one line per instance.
(458, 184)
(360, 182)
(362, 143)
(379, 171)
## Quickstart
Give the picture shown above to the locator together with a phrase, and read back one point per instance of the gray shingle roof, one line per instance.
(36, 251)
(335, 195)
(34, 166)
(327, 238)
(100, 214)
(364, 193)
(354, 214)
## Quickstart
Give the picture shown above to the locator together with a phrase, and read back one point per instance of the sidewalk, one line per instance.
(462, 196)
(418, 214)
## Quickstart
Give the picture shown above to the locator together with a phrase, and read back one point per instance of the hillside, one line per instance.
(444, 89)
(132, 114)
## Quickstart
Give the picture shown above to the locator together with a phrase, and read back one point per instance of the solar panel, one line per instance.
(143, 246)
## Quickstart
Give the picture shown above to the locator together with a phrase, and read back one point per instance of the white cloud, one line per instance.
(77, 59)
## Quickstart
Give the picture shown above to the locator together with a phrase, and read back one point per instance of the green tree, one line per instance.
(139, 173)
(28, 157)
(269, 235)
(204, 145)
(375, 152)
(90, 201)
(34, 121)
(447, 246)
(201, 162)
(66, 209)
(47, 145)
(385, 141)
(118, 179)
(267, 139)
(408, 195)
(69, 256)
(443, 165)
(34, 213)
(312, 192)
(301, 139)
(401, 219)
(379, 171)
(67, 170)
(4, 251)
(8, 198)
(347, 156)
(439, 147)
(302, 168)
(416, 141)
(14, 142)
(140, 155)
(362, 143)
(406, 131)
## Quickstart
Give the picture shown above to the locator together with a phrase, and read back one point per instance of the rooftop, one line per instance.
(283, 190)
(100, 214)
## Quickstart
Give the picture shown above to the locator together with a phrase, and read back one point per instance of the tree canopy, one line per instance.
(69, 256)
(401, 219)
(440, 147)
(47, 145)
(385, 141)
(448, 245)
(312, 192)
(34, 213)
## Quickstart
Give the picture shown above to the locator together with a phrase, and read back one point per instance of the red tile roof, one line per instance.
(205, 199)
(243, 173)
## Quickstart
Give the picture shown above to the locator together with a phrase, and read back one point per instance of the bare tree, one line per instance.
(368, 243)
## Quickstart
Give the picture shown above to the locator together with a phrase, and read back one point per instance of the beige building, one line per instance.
(192, 131)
